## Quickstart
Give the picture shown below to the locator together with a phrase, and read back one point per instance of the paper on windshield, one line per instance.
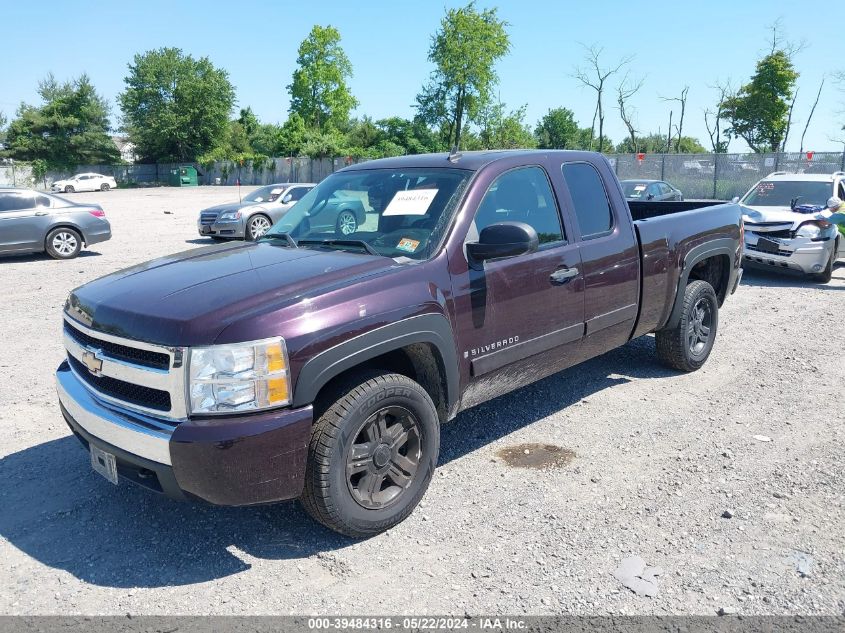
(411, 202)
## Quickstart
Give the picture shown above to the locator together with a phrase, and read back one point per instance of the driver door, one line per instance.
(520, 318)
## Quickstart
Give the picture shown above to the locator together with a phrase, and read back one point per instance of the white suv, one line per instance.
(783, 225)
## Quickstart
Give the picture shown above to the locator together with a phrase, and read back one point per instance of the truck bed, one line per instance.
(645, 209)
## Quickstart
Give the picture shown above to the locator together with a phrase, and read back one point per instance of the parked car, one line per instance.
(253, 216)
(85, 182)
(651, 190)
(782, 230)
(34, 222)
(700, 166)
(316, 365)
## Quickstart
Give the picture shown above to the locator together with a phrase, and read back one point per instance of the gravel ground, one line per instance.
(730, 480)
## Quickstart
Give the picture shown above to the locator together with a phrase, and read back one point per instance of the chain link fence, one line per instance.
(720, 176)
(707, 176)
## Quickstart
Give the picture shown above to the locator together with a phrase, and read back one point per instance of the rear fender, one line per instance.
(722, 246)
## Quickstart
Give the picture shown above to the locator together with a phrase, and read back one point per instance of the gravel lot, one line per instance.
(658, 460)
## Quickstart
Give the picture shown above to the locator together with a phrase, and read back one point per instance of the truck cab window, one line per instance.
(589, 199)
(520, 195)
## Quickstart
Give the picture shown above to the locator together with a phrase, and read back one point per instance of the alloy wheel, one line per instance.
(65, 243)
(384, 457)
(258, 226)
(700, 323)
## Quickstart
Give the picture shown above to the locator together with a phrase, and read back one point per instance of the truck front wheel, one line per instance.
(687, 345)
(372, 454)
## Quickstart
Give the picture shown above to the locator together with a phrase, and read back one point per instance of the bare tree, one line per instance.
(714, 129)
(780, 43)
(595, 77)
(623, 93)
(682, 99)
(810, 118)
(788, 122)
(669, 134)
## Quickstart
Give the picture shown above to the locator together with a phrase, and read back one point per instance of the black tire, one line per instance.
(346, 223)
(68, 189)
(105, 187)
(253, 231)
(827, 274)
(687, 346)
(63, 243)
(369, 412)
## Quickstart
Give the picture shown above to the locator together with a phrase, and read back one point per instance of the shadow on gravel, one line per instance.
(56, 510)
(762, 278)
(207, 241)
(11, 258)
(501, 416)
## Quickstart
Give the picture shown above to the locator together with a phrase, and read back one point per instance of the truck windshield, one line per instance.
(399, 213)
(781, 193)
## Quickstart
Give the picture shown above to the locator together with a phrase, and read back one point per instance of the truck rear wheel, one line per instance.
(687, 345)
(372, 454)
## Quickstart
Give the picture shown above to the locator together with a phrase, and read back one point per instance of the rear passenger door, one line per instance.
(610, 256)
(20, 221)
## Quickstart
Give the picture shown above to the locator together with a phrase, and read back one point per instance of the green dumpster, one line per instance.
(183, 176)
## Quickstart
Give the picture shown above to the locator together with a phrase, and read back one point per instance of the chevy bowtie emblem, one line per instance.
(94, 364)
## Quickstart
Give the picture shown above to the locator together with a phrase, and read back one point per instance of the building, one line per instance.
(125, 147)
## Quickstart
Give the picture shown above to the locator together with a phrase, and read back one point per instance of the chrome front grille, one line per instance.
(137, 376)
(208, 218)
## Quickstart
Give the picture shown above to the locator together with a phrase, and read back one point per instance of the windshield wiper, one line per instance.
(333, 242)
(281, 236)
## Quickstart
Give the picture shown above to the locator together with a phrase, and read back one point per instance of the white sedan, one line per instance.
(85, 182)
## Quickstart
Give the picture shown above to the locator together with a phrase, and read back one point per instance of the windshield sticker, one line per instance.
(411, 202)
(407, 244)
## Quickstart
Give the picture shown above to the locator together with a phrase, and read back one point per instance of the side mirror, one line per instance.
(735, 199)
(287, 198)
(503, 239)
(650, 196)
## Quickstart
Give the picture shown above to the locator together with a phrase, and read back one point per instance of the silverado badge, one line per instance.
(94, 364)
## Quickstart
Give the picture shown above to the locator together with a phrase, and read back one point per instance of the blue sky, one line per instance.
(674, 44)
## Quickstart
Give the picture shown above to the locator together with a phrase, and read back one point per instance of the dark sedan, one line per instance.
(650, 190)
(34, 222)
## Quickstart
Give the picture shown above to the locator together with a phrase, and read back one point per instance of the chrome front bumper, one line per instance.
(129, 431)
(231, 228)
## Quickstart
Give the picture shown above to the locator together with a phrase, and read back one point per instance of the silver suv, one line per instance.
(253, 216)
(34, 222)
(783, 226)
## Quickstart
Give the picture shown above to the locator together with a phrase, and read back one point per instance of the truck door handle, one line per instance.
(562, 275)
(41, 213)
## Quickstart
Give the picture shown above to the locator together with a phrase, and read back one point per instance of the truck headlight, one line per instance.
(230, 215)
(239, 377)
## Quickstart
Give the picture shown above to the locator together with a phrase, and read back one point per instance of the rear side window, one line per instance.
(16, 202)
(297, 192)
(592, 207)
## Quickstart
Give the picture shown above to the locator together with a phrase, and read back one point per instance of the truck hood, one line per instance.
(188, 298)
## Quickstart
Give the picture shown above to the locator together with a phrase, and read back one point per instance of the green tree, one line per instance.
(464, 52)
(292, 135)
(758, 111)
(657, 143)
(267, 140)
(248, 121)
(175, 107)
(501, 130)
(557, 130)
(70, 128)
(319, 93)
(3, 122)
(327, 144)
(414, 136)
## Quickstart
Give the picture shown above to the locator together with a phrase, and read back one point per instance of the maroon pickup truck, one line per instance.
(320, 365)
